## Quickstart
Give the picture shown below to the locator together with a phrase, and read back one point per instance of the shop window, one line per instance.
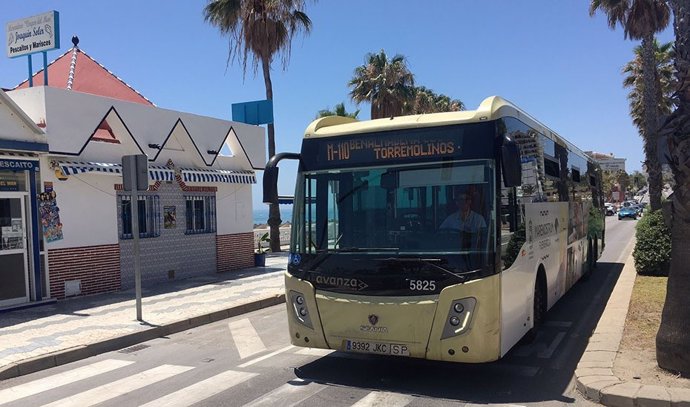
(200, 214)
(149, 215)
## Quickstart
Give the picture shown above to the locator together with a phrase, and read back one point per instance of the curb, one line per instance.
(85, 351)
(594, 374)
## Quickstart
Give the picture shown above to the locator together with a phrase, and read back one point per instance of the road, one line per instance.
(247, 360)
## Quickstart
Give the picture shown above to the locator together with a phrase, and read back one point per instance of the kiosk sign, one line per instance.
(33, 34)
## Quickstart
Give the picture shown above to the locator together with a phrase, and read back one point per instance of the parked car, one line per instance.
(627, 212)
(640, 209)
(610, 209)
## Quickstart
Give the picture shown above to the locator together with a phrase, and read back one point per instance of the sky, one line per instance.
(548, 57)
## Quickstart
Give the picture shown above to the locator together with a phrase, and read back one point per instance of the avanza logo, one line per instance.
(341, 282)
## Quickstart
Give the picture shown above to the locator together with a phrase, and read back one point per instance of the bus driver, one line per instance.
(465, 219)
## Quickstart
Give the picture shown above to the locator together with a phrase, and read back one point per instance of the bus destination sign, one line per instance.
(389, 148)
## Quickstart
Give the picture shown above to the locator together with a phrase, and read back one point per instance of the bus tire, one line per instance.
(539, 305)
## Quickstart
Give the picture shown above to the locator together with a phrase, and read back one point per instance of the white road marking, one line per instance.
(246, 338)
(202, 390)
(542, 349)
(548, 352)
(290, 394)
(383, 399)
(270, 355)
(123, 386)
(315, 352)
(59, 379)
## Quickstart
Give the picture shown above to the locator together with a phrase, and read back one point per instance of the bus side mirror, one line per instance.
(271, 185)
(510, 159)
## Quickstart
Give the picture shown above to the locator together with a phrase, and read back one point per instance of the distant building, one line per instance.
(607, 162)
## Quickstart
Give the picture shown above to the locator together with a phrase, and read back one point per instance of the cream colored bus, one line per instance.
(441, 236)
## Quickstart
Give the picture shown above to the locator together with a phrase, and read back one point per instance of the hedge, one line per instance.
(652, 251)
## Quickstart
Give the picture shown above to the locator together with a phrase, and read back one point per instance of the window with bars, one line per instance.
(149, 215)
(200, 214)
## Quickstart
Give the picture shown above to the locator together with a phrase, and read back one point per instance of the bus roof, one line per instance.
(491, 108)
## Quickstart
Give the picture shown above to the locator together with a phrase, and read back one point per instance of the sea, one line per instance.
(260, 214)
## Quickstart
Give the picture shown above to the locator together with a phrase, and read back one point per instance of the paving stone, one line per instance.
(653, 396)
(679, 397)
(593, 389)
(598, 356)
(582, 372)
(595, 364)
(620, 395)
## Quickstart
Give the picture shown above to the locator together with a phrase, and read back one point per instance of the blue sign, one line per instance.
(256, 112)
(18, 165)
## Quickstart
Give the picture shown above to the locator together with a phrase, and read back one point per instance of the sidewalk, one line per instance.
(594, 374)
(41, 337)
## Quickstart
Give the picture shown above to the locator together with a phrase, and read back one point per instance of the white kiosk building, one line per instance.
(65, 221)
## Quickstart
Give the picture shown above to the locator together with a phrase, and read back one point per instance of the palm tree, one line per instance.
(641, 19)
(663, 79)
(427, 101)
(673, 338)
(385, 83)
(260, 30)
(338, 110)
(639, 180)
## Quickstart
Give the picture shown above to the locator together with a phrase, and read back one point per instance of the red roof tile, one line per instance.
(89, 77)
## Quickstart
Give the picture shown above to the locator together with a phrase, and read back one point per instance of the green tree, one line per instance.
(338, 110)
(387, 84)
(663, 78)
(638, 180)
(673, 338)
(427, 101)
(640, 20)
(623, 180)
(259, 31)
(608, 180)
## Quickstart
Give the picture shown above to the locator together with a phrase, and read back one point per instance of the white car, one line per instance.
(610, 209)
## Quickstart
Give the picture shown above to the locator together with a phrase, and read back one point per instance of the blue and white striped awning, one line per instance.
(156, 173)
(226, 176)
(286, 200)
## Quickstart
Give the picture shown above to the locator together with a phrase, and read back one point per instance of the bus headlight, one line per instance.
(459, 317)
(300, 309)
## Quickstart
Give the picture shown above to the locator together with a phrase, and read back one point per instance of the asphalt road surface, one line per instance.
(248, 360)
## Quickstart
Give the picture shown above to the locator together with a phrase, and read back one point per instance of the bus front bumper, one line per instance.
(461, 324)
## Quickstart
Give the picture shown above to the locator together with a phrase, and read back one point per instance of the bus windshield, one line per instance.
(434, 211)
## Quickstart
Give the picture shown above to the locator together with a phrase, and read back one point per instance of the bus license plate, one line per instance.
(379, 348)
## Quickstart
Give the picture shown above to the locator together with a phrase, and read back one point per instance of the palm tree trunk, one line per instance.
(651, 121)
(673, 338)
(274, 220)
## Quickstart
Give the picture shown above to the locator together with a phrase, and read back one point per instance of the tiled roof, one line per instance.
(77, 71)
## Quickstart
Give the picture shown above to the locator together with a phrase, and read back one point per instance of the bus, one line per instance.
(443, 236)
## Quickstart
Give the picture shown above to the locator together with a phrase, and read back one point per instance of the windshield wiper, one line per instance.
(432, 262)
(366, 249)
(322, 255)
